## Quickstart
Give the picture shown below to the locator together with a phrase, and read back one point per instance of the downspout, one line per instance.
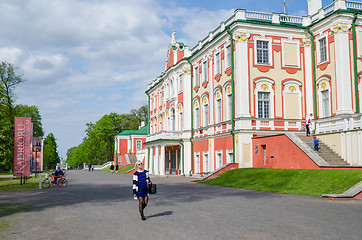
(192, 120)
(355, 62)
(232, 90)
(314, 74)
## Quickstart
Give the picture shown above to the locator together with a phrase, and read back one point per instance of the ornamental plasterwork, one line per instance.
(292, 89)
(264, 87)
(186, 70)
(307, 42)
(210, 56)
(240, 36)
(324, 85)
(341, 27)
(228, 89)
(218, 95)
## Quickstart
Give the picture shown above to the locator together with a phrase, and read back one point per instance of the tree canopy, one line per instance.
(98, 145)
(50, 152)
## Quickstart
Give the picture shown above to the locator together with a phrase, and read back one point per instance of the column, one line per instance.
(343, 68)
(241, 75)
(156, 161)
(146, 159)
(162, 161)
(150, 167)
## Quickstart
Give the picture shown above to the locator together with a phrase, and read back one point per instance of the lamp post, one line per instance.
(37, 148)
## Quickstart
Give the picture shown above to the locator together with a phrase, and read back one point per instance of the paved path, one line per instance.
(99, 205)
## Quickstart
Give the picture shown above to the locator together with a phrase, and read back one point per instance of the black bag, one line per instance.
(152, 188)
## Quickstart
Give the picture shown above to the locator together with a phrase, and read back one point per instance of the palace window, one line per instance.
(139, 144)
(180, 83)
(324, 96)
(263, 104)
(217, 64)
(218, 108)
(196, 78)
(228, 57)
(204, 71)
(323, 50)
(262, 52)
(206, 114)
(325, 103)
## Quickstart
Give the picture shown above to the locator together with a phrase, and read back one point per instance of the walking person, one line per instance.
(140, 187)
(308, 123)
(316, 144)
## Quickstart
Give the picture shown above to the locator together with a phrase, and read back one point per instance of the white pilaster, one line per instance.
(308, 76)
(156, 161)
(343, 68)
(241, 75)
(146, 159)
(150, 167)
(162, 161)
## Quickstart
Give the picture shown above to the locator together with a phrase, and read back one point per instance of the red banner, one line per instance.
(22, 146)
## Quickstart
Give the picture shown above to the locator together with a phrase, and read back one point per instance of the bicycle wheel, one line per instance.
(46, 183)
(63, 182)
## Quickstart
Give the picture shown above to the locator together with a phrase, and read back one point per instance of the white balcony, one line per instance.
(339, 124)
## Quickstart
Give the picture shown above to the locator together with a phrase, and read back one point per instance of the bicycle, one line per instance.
(50, 182)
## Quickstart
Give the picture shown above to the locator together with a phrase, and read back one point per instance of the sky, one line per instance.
(82, 59)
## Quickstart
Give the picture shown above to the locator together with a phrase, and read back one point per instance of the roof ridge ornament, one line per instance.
(173, 41)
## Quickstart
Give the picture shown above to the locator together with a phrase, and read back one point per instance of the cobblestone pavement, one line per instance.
(99, 205)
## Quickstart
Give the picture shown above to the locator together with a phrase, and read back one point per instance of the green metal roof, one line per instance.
(142, 131)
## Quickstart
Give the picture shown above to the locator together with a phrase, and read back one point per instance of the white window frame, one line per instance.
(217, 63)
(180, 82)
(323, 84)
(270, 52)
(229, 159)
(217, 163)
(197, 114)
(204, 71)
(259, 88)
(139, 144)
(228, 101)
(196, 77)
(318, 39)
(206, 111)
(218, 110)
(206, 164)
(228, 59)
(197, 162)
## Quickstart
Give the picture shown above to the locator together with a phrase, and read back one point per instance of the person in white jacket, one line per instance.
(308, 123)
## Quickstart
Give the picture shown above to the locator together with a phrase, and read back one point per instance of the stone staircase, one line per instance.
(332, 158)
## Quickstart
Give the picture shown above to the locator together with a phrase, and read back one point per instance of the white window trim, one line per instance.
(296, 85)
(324, 35)
(196, 77)
(216, 159)
(261, 38)
(204, 154)
(216, 68)
(216, 107)
(197, 166)
(320, 82)
(226, 55)
(228, 107)
(196, 106)
(359, 50)
(283, 52)
(258, 89)
(204, 71)
(229, 160)
(137, 142)
(205, 103)
(180, 83)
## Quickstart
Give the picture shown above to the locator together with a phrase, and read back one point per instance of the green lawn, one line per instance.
(291, 181)
(13, 184)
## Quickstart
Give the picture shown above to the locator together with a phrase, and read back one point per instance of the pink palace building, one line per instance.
(241, 95)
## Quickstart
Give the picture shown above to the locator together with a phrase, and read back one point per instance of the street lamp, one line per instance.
(37, 148)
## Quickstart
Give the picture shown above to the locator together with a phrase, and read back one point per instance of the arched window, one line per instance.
(197, 113)
(173, 119)
(205, 103)
(229, 101)
(264, 98)
(324, 96)
(218, 106)
(180, 118)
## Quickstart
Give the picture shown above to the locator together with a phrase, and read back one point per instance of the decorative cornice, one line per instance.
(341, 27)
(241, 36)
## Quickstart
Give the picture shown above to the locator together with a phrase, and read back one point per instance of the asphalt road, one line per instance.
(100, 205)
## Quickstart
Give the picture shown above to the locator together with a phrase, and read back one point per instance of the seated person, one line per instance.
(58, 172)
(111, 168)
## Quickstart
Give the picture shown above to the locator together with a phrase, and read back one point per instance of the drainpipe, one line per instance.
(355, 62)
(232, 90)
(314, 75)
(192, 120)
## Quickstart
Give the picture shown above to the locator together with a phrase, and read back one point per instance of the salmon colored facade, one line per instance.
(259, 74)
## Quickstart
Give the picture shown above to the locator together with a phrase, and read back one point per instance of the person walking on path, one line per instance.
(140, 189)
(308, 123)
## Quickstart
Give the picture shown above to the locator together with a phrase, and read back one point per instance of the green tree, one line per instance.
(22, 110)
(9, 79)
(50, 152)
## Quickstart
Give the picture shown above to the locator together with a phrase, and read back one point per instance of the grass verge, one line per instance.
(126, 169)
(291, 181)
(13, 184)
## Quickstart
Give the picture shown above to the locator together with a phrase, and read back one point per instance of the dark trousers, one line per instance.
(308, 129)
